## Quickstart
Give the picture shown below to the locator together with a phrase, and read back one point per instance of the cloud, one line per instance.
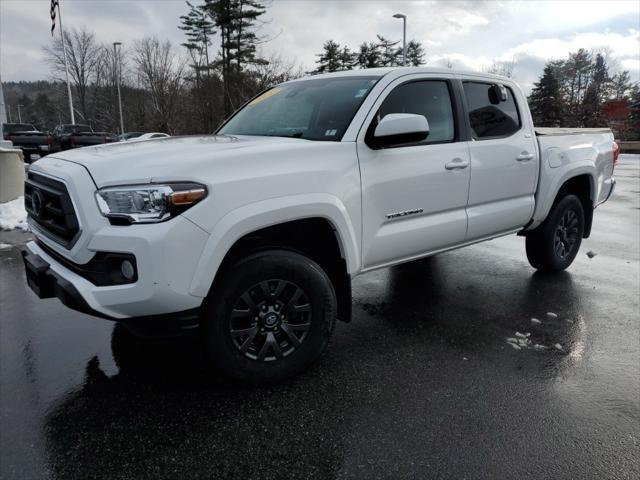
(472, 34)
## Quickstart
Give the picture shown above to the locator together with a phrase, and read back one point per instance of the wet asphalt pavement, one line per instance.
(422, 383)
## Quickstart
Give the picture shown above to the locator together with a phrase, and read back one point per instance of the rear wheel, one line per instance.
(270, 316)
(553, 246)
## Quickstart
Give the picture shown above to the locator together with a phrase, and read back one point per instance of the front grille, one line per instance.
(48, 204)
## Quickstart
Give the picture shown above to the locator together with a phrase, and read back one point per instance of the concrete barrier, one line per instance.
(11, 174)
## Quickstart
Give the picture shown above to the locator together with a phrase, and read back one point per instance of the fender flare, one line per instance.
(546, 198)
(255, 216)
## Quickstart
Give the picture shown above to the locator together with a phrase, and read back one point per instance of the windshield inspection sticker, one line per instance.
(361, 93)
(330, 133)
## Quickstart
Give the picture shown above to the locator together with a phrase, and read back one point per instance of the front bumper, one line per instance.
(167, 255)
(46, 283)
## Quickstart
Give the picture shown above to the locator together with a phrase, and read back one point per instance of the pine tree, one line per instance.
(198, 29)
(330, 60)
(348, 59)
(236, 21)
(368, 56)
(595, 94)
(390, 55)
(245, 15)
(621, 85)
(546, 100)
(415, 54)
(634, 116)
(576, 74)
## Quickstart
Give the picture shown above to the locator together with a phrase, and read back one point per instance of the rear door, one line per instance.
(504, 161)
(414, 195)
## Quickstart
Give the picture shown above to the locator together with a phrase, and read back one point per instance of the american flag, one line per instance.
(54, 4)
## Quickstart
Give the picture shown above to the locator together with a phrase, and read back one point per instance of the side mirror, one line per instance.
(398, 128)
(497, 94)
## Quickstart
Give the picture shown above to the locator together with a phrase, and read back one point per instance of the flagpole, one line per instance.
(66, 68)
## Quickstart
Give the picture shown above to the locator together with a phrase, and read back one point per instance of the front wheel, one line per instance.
(269, 317)
(553, 246)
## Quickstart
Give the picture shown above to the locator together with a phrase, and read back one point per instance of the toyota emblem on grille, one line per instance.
(36, 203)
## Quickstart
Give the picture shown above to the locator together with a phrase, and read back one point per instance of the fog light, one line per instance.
(126, 268)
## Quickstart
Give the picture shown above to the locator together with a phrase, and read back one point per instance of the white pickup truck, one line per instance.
(253, 234)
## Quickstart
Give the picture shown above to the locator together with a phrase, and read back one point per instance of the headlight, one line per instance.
(148, 203)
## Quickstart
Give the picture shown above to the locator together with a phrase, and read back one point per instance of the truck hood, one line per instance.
(171, 159)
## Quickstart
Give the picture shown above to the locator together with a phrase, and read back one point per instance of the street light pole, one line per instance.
(20, 113)
(404, 37)
(117, 60)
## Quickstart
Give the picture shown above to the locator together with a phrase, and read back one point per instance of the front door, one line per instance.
(414, 196)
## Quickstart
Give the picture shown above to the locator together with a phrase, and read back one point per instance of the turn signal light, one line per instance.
(187, 197)
(616, 153)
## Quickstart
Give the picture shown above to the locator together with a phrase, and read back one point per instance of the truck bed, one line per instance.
(550, 131)
(568, 152)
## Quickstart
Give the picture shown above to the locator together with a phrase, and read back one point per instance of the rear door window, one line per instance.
(490, 117)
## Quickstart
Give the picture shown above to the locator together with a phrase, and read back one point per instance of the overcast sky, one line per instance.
(471, 33)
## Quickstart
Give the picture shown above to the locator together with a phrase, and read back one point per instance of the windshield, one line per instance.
(315, 109)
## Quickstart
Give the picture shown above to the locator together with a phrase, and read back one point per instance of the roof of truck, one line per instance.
(398, 71)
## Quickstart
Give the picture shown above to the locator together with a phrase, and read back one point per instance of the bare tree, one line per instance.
(447, 62)
(83, 56)
(105, 94)
(161, 72)
(502, 67)
(274, 71)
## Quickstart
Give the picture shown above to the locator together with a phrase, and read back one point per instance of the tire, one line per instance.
(270, 317)
(553, 246)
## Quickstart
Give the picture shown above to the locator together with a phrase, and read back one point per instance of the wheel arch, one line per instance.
(321, 230)
(579, 181)
(583, 187)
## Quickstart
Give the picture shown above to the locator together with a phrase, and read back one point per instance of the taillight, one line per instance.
(49, 139)
(107, 139)
(71, 140)
(616, 153)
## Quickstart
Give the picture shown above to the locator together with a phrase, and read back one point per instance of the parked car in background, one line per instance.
(66, 137)
(148, 136)
(128, 136)
(256, 234)
(29, 139)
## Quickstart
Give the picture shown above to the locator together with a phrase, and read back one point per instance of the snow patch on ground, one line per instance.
(524, 341)
(4, 246)
(13, 215)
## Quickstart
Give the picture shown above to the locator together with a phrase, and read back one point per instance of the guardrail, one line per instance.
(628, 147)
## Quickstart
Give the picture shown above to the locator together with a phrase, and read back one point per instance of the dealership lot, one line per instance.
(428, 381)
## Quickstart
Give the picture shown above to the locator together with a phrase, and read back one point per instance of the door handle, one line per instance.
(456, 164)
(524, 157)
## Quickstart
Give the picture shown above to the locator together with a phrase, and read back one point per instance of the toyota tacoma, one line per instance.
(253, 234)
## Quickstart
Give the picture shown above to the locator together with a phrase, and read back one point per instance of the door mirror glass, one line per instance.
(398, 128)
